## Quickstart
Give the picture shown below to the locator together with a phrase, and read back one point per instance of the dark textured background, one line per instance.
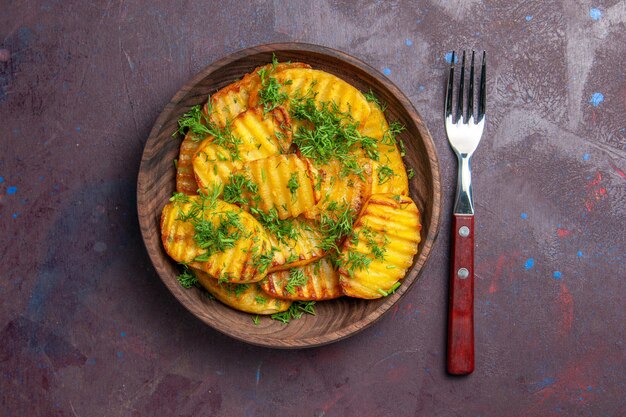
(87, 328)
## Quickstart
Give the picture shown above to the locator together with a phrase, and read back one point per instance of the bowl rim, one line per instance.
(432, 156)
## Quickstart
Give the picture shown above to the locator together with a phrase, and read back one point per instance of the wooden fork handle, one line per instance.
(460, 358)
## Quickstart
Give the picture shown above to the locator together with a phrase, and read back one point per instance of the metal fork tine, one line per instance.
(449, 88)
(482, 97)
(459, 102)
(470, 91)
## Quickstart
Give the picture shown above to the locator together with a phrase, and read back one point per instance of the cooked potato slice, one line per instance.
(385, 239)
(216, 237)
(388, 173)
(313, 282)
(213, 165)
(335, 186)
(248, 298)
(233, 99)
(254, 135)
(298, 242)
(324, 88)
(185, 178)
(282, 183)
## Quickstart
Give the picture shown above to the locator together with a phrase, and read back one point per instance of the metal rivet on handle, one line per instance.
(464, 231)
(463, 273)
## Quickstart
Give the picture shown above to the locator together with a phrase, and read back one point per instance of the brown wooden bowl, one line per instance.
(337, 319)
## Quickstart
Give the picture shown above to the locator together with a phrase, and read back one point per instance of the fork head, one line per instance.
(463, 130)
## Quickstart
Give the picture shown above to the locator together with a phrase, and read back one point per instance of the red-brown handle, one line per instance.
(461, 308)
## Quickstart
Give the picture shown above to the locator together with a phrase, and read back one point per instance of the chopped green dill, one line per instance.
(295, 311)
(296, 278)
(264, 260)
(283, 230)
(201, 127)
(389, 137)
(371, 97)
(260, 299)
(217, 238)
(293, 184)
(240, 289)
(334, 135)
(214, 233)
(187, 278)
(193, 121)
(179, 198)
(391, 290)
(377, 250)
(255, 320)
(356, 261)
(410, 173)
(291, 258)
(335, 226)
(235, 190)
(175, 163)
(384, 174)
(270, 94)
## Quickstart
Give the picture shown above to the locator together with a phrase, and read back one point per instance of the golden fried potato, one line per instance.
(233, 99)
(254, 135)
(337, 186)
(298, 242)
(388, 173)
(216, 237)
(282, 183)
(248, 298)
(384, 241)
(185, 178)
(313, 282)
(323, 88)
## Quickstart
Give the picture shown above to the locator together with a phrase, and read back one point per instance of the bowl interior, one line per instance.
(335, 319)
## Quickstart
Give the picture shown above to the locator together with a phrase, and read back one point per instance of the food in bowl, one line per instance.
(291, 190)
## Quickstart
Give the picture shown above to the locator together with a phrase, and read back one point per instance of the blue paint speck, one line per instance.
(418, 21)
(595, 14)
(524, 216)
(589, 388)
(119, 353)
(546, 382)
(77, 128)
(586, 157)
(530, 262)
(556, 275)
(258, 374)
(449, 58)
(11, 190)
(1, 180)
(15, 215)
(580, 254)
(488, 302)
(421, 88)
(123, 334)
(387, 71)
(529, 18)
(408, 42)
(596, 99)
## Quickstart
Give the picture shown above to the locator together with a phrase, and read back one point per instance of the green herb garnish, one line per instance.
(391, 290)
(234, 191)
(293, 184)
(295, 311)
(187, 278)
(384, 174)
(296, 278)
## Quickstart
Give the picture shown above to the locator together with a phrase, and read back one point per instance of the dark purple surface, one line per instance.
(87, 328)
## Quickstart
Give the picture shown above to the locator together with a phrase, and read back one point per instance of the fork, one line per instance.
(464, 133)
